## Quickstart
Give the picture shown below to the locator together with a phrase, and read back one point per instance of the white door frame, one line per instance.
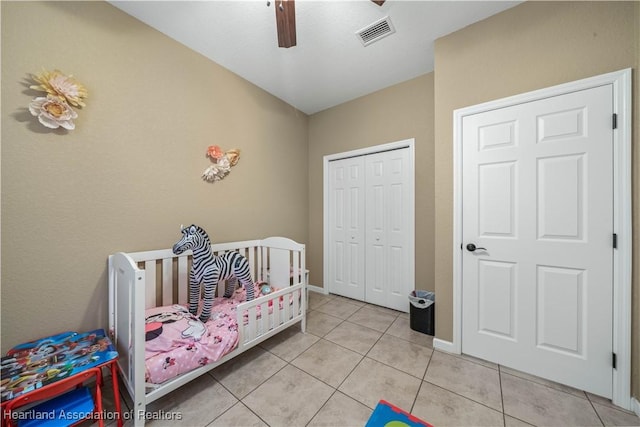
(622, 206)
(406, 143)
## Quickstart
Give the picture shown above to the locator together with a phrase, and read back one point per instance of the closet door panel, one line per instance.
(376, 229)
(346, 227)
(389, 265)
(398, 230)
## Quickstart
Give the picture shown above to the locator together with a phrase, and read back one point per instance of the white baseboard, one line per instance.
(318, 289)
(446, 346)
(635, 406)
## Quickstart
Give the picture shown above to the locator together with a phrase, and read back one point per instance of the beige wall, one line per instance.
(129, 174)
(399, 112)
(532, 46)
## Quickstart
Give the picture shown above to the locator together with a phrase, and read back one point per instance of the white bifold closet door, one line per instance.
(371, 258)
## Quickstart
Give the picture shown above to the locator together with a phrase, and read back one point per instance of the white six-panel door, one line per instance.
(538, 206)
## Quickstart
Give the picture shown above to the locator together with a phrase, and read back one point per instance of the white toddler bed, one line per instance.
(143, 282)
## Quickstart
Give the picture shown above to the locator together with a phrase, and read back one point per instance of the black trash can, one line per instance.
(421, 311)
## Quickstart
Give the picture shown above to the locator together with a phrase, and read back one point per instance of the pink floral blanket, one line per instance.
(177, 341)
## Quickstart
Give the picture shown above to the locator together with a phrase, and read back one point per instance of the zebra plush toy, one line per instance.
(209, 269)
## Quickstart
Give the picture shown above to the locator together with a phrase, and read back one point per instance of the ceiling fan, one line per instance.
(286, 21)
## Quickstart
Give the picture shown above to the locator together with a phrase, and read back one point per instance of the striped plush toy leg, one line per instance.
(248, 286)
(232, 282)
(211, 278)
(244, 277)
(239, 267)
(194, 293)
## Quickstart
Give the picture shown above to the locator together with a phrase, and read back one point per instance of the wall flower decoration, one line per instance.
(214, 152)
(62, 91)
(52, 112)
(65, 87)
(222, 163)
(233, 156)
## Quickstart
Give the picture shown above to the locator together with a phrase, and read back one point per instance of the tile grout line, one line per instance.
(363, 357)
(504, 417)
(594, 409)
(210, 373)
(335, 389)
(550, 387)
(383, 333)
(422, 381)
(288, 363)
(463, 396)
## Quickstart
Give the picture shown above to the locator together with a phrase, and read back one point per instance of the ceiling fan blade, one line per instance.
(378, 2)
(286, 22)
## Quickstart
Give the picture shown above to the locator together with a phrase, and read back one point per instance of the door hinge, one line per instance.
(614, 361)
(615, 241)
(615, 121)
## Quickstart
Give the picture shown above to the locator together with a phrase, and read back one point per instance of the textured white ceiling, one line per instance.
(329, 65)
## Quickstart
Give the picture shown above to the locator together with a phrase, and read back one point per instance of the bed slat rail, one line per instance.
(183, 280)
(275, 310)
(162, 280)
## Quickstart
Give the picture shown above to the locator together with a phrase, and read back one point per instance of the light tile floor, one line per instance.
(355, 354)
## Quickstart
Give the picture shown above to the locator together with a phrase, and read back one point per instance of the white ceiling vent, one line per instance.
(376, 31)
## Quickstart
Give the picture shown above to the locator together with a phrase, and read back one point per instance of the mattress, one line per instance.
(177, 341)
